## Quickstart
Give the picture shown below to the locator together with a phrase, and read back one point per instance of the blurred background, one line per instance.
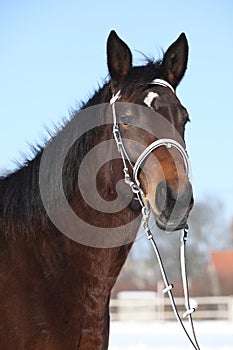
(53, 55)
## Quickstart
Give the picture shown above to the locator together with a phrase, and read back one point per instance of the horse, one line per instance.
(56, 281)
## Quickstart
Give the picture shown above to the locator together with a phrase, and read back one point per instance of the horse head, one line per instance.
(151, 121)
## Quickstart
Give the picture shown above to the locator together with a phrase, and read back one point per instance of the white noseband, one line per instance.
(169, 143)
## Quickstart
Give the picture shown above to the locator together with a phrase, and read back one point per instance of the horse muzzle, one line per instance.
(174, 206)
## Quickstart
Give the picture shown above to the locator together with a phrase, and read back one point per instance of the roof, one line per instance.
(223, 262)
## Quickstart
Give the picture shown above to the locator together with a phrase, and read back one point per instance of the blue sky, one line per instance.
(53, 55)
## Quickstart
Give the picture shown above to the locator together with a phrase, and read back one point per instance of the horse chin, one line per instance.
(167, 224)
(170, 226)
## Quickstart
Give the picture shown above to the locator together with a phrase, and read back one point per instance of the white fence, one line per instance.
(157, 308)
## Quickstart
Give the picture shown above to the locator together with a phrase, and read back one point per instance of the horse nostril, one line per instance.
(161, 196)
(189, 196)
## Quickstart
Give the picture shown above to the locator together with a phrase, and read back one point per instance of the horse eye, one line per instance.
(126, 120)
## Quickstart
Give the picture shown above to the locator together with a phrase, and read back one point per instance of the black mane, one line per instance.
(20, 201)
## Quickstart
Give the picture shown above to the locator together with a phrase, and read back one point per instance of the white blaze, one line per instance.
(149, 98)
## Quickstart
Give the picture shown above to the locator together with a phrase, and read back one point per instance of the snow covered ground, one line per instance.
(211, 335)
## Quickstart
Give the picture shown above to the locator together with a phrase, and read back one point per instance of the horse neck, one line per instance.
(80, 276)
(22, 212)
(20, 197)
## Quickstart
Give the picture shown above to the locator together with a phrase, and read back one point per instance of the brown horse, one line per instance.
(56, 275)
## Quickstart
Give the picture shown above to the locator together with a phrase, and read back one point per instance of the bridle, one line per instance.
(136, 189)
(169, 143)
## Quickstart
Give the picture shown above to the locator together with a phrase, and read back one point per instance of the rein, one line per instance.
(136, 189)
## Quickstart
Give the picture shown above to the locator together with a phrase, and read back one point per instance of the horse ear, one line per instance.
(175, 61)
(119, 58)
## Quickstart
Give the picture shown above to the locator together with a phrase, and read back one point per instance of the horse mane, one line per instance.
(20, 201)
